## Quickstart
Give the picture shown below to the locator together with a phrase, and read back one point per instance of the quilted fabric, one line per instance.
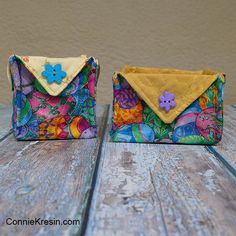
(37, 115)
(135, 120)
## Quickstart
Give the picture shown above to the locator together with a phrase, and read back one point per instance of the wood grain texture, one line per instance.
(147, 189)
(5, 120)
(47, 179)
(227, 147)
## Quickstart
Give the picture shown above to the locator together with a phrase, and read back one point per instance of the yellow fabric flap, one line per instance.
(71, 65)
(187, 86)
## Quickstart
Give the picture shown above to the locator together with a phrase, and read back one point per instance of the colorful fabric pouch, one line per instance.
(154, 105)
(53, 98)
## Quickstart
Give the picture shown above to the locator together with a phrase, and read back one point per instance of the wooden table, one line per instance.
(117, 188)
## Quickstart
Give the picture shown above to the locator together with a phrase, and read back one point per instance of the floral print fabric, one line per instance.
(134, 121)
(38, 115)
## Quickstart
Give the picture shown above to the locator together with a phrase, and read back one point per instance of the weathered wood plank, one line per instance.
(5, 120)
(226, 149)
(161, 190)
(47, 180)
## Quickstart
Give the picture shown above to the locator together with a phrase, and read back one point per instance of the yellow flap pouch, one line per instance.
(53, 98)
(167, 105)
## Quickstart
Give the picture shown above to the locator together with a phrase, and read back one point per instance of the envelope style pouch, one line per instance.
(154, 105)
(53, 98)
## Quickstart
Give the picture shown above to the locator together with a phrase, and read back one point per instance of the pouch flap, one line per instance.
(71, 66)
(151, 83)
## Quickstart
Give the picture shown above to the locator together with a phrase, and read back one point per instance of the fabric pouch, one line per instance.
(53, 98)
(154, 105)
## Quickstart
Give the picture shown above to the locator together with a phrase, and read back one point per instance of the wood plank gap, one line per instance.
(92, 210)
(95, 174)
(6, 135)
(221, 159)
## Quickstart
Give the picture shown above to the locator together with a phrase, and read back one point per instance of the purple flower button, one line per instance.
(167, 101)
